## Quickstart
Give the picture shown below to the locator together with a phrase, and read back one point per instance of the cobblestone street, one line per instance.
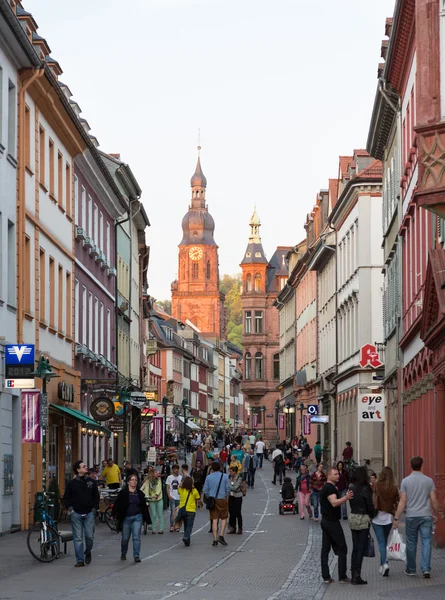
(277, 558)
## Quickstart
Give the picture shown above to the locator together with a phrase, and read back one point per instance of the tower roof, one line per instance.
(198, 179)
(254, 252)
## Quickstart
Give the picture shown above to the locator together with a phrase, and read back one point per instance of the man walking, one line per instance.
(318, 451)
(251, 462)
(418, 496)
(278, 464)
(112, 475)
(217, 486)
(82, 498)
(172, 484)
(333, 536)
(259, 449)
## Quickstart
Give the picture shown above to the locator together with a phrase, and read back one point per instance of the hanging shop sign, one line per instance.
(65, 391)
(102, 408)
(369, 357)
(371, 408)
(281, 421)
(137, 399)
(306, 424)
(158, 431)
(118, 408)
(254, 421)
(31, 417)
(19, 364)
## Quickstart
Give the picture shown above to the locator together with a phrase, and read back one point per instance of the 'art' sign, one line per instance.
(371, 408)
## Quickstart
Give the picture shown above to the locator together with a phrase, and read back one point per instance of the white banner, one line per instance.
(371, 408)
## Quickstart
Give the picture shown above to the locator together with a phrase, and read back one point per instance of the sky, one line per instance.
(277, 88)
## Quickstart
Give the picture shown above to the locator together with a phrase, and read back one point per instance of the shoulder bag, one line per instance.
(210, 502)
(182, 511)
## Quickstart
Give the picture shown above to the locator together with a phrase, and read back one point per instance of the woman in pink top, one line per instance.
(304, 488)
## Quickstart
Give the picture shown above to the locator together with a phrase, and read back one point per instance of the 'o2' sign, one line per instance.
(371, 408)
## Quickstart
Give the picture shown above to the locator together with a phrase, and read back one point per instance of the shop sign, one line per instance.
(65, 391)
(254, 421)
(371, 408)
(31, 417)
(137, 399)
(158, 430)
(312, 409)
(118, 408)
(151, 455)
(151, 396)
(320, 419)
(369, 357)
(281, 421)
(102, 408)
(116, 426)
(306, 424)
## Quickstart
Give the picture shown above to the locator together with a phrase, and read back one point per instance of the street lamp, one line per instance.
(185, 406)
(165, 403)
(301, 409)
(263, 412)
(44, 372)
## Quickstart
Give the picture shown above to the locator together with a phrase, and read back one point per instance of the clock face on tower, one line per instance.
(195, 253)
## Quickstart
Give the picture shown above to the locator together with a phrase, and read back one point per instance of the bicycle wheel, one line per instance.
(43, 543)
(108, 520)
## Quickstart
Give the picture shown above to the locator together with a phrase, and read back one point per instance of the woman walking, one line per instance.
(235, 502)
(386, 499)
(189, 497)
(198, 476)
(303, 486)
(131, 512)
(342, 486)
(152, 489)
(318, 479)
(362, 511)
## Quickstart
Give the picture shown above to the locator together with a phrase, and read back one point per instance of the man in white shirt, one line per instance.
(259, 449)
(173, 482)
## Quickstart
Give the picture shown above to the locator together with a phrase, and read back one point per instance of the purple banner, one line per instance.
(172, 422)
(158, 431)
(306, 424)
(31, 417)
(281, 421)
(254, 421)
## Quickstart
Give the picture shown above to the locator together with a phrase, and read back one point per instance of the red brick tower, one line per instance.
(195, 294)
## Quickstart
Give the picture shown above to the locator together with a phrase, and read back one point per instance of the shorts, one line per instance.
(221, 509)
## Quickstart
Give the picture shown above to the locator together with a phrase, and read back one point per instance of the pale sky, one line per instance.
(278, 88)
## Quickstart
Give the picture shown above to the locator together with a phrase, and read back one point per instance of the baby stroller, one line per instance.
(288, 503)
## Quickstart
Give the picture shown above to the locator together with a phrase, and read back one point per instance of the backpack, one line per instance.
(278, 460)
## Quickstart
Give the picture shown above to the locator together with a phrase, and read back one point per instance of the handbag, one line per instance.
(370, 550)
(183, 510)
(358, 522)
(211, 501)
(244, 487)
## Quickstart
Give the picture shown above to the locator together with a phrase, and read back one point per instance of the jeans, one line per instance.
(382, 534)
(157, 512)
(251, 478)
(173, 505)
(344, 508)
(82, 525)
(131, 526)
(303, 501)
(260, 460)
(278, 472)
(235, 515)
(188, 525)
(414, 526)
(333, 537)
(359, 545)
(315, 497)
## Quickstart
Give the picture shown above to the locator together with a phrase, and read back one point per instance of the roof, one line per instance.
(277, 268)
(198, 179)
(333, 191)
(254, 254)
(343, 165)
(361, 153)
(372, 171)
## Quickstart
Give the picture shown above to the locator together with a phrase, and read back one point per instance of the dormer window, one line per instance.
(248, 254)
(195, 234)
(257, 254)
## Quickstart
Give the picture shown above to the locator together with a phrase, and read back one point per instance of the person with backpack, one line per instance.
(278, 462)
(235, 502)
(307, 450)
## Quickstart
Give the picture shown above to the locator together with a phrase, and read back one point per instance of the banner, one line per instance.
(31, 417)
(172, 422)
(280, 421)
(158, 430)
(254, 421)
(371, 408)
(306, 424)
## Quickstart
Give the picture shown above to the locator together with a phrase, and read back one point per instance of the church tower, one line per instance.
(195, 294)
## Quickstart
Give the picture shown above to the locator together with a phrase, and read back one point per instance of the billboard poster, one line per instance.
(281, 421)
(31, 417)
(306, 424)
(158, 431)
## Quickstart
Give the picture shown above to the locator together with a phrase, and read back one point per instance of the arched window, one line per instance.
(249, 282)
(195, 271)
(259, 366)
(208, 270)
(257, 282)
(248, 366)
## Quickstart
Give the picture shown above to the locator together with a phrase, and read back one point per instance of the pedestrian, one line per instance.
(152, 489)
(235, 502)
(278, 463)
(173, 482)
(259, 449)
(385, 499)
(200, 455)
(342, 486)
(112, 475)
(131, 512)
(251, 462)
(252, 438)
(164, 471)
(239, 453)
(348, 452)
(361, 515)
(318, 452)
(318, 480)
(217, 486)
(198, 476)
(333, 536)
(234, 462)
(184, 471)
(102, 467)
(223, 457)
(129, 470)
(82, 499)
(189, 499)
(418, 497)
(303, 487)
(307, 450)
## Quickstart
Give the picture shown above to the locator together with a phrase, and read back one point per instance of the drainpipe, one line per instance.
(21, 208)
(335, 440)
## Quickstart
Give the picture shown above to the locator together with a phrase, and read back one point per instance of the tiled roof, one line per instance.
(361, 153)
(372, 171)
(333, 190)
(344, 163)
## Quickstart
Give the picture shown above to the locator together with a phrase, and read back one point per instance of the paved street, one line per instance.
(277, 558)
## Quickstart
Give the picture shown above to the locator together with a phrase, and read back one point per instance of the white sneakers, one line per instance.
(384, 570)
(381, 570)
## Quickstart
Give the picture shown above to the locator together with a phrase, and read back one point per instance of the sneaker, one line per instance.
(123, 557)
(160, 532)
(427, 575)
(153, 533)
(345, 580)
(214, 543)
(137, 559)
(80, 564)
(87, 558)
(381, 570)
(385, 570)
(239, 532)
(330, 580)
(409, 574)
(222, 541)
(171, 528)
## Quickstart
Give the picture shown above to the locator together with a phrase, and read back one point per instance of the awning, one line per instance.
(189, 424)
(291, 399)
(81, 417)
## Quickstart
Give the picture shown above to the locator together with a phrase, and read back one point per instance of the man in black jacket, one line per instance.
(82, 498)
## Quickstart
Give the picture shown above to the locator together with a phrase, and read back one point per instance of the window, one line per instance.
(12, 126)
(258, 321)
(102, 326)
(27, 135)
(11, 261)
(249, 282)
(248, 366)
(257, 282)
(90, 216)
(108, 243)
(84, 210)
(276, 366)
(41, 155)
(68, 304)
(101, 231)
(95, 225)
(90, 320)
(51, 167)
(52, 292)
(68, 189)
(84, 315)
(42, 286)
(96, 325)
(76, 311)
(195, 271)
(76, 201)
(60, 303)
(208, 270)
(186, 367)
(59, 179)
(108, 334)
(259, 367)
(28, 271)
(248, 321)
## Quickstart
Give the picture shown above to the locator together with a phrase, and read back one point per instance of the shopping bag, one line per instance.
(370, 550)
(396, 549)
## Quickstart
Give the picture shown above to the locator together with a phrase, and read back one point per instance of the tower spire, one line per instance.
(255, 225)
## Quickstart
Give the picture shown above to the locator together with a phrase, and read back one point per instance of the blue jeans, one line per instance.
(82, 525)
(315, 497)
(251, 478)
(260, 460)
(382, 534)
(414, 526)
(344, 509)
(131, 526)
(173, 505)
(188, 525)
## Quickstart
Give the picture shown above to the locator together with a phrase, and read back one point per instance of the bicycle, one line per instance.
(43, 539)
(109, 496)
